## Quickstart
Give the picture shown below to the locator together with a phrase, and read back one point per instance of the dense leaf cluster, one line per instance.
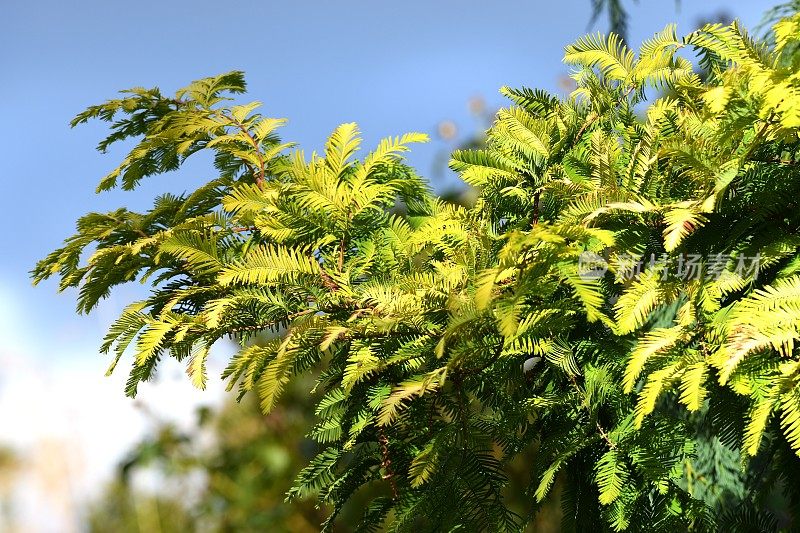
(447, 342)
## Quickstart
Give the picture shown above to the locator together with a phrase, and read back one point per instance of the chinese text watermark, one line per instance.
(683, 266)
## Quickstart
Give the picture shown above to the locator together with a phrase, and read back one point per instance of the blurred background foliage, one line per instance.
(9, 465)
(231, 470)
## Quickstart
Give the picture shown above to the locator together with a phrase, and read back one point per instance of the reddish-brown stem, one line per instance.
(266, 325)
(261, 163)
(386, 462)
(600, 429)
(536, 198)
(328, 282)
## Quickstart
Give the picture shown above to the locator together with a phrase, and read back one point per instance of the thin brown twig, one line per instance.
(603, 432)
(261, 163)
(267, 325)
(536, 198)
(386, 462)
(127, 223)
(594, 116)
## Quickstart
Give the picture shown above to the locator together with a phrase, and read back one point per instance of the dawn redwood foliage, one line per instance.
(447, 342)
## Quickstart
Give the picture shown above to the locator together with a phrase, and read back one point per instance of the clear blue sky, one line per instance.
(392, 67)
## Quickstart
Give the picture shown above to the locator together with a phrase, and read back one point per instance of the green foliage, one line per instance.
(617, 15)
(417, 322)
(247, 461)
(129, 511)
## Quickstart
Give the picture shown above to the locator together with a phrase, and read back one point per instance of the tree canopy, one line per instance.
(620, 306)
